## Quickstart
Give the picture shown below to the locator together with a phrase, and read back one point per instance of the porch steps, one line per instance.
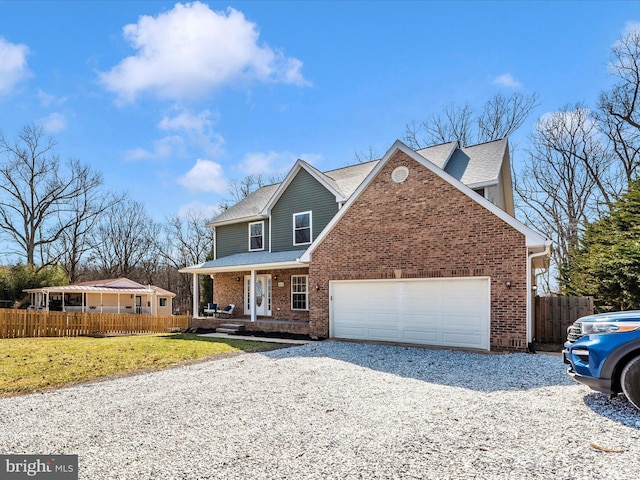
(230, 328)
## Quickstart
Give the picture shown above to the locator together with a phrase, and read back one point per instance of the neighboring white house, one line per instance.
(119, 295)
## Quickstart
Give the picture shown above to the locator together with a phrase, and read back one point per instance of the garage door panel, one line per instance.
(384, 334)
(423, 321)
(464, 321)
(468, 340)
(447, 312)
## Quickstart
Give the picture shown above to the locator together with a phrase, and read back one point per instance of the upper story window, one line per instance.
(256, 236)
(301, 228)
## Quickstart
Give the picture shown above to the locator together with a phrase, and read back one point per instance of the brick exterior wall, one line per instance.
(426, 228)
(227, 289)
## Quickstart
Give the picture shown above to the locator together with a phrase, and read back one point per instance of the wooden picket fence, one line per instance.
(34, 323)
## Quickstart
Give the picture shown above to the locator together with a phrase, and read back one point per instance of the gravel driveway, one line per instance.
(335, 410)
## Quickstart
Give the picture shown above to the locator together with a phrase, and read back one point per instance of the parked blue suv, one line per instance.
(603, 352)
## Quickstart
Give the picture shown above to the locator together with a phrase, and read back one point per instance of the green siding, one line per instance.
(304, 194)
(234, 238)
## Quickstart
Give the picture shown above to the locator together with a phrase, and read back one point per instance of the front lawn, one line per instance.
(30, 364)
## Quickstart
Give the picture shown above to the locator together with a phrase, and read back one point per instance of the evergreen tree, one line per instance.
(606, 263)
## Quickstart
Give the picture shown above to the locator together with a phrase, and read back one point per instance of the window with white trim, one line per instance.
(162, 302)
(256, 236)
(299, 292)
(302, 228)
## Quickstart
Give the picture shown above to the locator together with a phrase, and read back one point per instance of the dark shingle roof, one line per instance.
(477, 164)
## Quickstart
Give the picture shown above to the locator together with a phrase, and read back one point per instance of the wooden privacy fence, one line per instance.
(554, 314)
(34, 323)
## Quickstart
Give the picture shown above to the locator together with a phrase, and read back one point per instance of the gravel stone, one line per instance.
(335, 410)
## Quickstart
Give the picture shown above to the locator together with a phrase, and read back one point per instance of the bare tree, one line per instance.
(367, 156)
(619, 110)
(239, 189)
(453, 123)
(186, 241)
(38, 194)
(622, 101)
(124, 240)
(500, 116)
(561, 184)
(75, 240)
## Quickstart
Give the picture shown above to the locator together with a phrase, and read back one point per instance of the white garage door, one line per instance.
(447, 312)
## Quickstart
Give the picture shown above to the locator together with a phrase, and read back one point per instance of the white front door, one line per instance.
(262, 297)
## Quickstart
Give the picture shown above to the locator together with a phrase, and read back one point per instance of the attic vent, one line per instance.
(400, 174)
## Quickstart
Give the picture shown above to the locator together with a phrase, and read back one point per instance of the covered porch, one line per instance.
(270, 292)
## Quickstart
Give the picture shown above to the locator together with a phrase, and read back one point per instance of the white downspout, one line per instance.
(545, 253)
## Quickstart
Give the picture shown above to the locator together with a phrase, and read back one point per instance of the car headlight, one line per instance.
(596, 328)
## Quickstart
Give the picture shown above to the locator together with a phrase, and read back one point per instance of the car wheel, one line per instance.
(630, 381)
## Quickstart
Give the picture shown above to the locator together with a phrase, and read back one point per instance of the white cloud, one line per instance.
(198, 130)
(189, 131)
(191, 50)
(271, 164)
(54, 123)
(47, 100)
(187, 121)
(631, 26)
(13, 65)
(507, 80)
(205, 176)
(260, 163)
(163, 149)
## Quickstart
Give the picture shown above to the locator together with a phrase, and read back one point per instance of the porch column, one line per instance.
(101, 302)
(118, 303)
(63, 302)
(252, 300)
(196, 295)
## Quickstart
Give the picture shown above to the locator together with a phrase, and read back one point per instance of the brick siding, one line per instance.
(228, 289)
(426, 228)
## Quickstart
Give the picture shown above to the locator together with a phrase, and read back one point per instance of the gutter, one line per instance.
(545, 253)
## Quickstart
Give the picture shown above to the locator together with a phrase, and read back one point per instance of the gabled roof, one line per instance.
(326, 181)
(439, 155)
(342, 182)
(474, 165)
(247, 208)
(477, 165)
(533, 239)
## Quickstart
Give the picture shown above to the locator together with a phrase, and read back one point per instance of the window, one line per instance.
(300, 292)
(256, 236)
(162, 302)
(301, 228)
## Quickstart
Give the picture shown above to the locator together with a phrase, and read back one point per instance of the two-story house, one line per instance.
(417, 247)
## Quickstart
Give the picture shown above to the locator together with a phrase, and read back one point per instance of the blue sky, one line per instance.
(171, 101)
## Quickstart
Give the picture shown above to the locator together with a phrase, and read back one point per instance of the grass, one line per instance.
(31, 364)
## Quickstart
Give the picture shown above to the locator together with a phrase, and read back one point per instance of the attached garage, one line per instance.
(453, 312)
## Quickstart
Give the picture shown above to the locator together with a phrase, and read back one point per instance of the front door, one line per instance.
(138, 304)
(262, 297)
